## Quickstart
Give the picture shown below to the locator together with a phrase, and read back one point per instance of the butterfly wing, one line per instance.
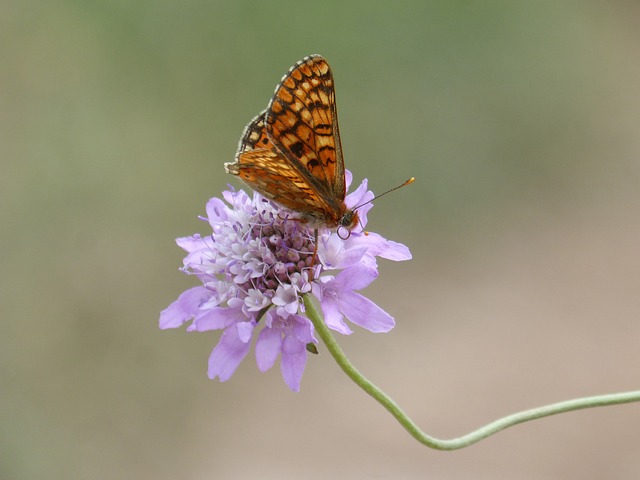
(263, 167)
(291, 152)
(302, 120)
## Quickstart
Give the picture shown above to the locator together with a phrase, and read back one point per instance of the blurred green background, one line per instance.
(519, 121)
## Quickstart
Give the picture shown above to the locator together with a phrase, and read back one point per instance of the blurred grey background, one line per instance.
(520, 121)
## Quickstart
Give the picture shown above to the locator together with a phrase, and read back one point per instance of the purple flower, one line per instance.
(254, 269)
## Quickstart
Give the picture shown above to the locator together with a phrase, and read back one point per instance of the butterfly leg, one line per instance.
(315, 253)
(315, 248)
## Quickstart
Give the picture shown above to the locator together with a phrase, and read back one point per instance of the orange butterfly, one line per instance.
(291, 153)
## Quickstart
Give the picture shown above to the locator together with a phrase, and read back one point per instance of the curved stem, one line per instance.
(469, 439)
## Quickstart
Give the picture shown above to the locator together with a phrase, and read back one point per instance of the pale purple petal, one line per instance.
(348, 178)
(353, 278)
(365, 313)
(335, 253)
(381, 247)
(294, 359)
(331, 311)
(303, 330)
(268, 347)
(369, 261)
(286, 299)
(300, 282)
(217, 211)
(245, 331)
(184, 308)
(200, 257)
(227, 355)
(255, 300)
(359, 198)
(238, 200)
(217, 318)
(191, 244)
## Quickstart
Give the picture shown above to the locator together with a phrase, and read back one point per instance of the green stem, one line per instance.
(470, 438)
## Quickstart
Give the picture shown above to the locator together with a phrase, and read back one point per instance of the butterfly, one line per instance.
(291, 152)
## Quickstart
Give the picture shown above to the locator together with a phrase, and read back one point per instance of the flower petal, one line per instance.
(363, 312)
(268, 347)
(184, 308)
(294, 359)
(217, 318)
(381, 247)
(217, 211)
(359, 195)
(331, 312)
(227, 355)
(303, 329)
(354, 278)
(348, 178)
(335, 253)
(190, 244)
(245, 331)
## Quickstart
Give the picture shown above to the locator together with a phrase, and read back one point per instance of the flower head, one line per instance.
(253, 270)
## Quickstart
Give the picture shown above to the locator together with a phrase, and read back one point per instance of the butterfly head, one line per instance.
(346, 223)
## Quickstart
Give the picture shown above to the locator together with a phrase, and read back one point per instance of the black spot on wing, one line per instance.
(297, 149)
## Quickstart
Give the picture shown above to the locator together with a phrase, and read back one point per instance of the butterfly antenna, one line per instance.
(404, 184)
